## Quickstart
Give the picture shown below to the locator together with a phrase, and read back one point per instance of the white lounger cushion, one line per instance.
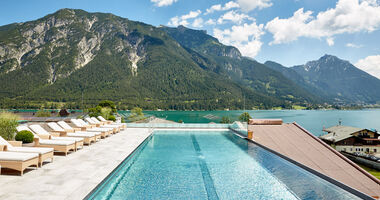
(4, 142)
(13, 156)
(85, 134)
(75, 139)
(64, 125)
(56, 142)
(38, 129)
(115, 123)
(55, 126)
(90, 121)
(77, 123)
(102, 119)
(91, 132)
(39, 150)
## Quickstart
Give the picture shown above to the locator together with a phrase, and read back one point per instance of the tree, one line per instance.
(107, 103)
(106, 112)
(136, 114)
(63, 112)
(225, 120)
(244, 117)
(8, 124)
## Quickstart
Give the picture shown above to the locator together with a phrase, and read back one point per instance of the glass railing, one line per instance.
(240, 127)
(178, 125)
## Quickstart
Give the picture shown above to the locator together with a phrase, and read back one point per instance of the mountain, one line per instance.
(291, 74)
(73, 55)
(227, 61)
(333, 78)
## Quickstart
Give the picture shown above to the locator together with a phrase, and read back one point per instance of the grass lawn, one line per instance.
(374, 172)
(297, 107)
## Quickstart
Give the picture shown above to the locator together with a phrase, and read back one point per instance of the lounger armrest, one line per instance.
(15, 143)
(59, 133)
(46, 137)
(3, 147)
(36, 141)
(72, 130)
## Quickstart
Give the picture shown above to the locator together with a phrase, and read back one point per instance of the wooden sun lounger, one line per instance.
(16, 146)
(43, 141)
(41, 132)
(85, 127)
(18, 164)
(62, 133)
(72, 129)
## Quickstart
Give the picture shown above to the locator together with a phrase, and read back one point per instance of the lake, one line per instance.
(312, 120)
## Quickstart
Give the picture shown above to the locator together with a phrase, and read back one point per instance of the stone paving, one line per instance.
(74, 176)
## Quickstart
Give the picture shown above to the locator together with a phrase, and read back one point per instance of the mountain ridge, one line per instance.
(335, 79)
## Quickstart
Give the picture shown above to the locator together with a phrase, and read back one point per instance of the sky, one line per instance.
(290, 32)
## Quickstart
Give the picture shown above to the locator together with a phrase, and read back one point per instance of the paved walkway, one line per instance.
(74, 176)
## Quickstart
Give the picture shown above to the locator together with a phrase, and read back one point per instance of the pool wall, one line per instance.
(94, 192)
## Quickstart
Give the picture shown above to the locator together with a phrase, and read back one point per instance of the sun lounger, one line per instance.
(115, 129)
(101, 118)
(56, 136)
(17, 161)
(98, 126)
(86, 136)
(86, 127)
(118, 126)
(70, 129)
(43, 141)
(43, 153)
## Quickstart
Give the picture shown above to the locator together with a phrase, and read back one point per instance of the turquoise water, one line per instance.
(211, 165)
(312, 120)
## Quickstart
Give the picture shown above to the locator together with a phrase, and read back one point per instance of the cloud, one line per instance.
(370, 64)
(245, 37)
(249, 5)
(182, 20)
(234, 17)
(210, 22)
(218, 7)
(198, 23)
(353, 45)
(349, 16)
(161, 3)
(330, 41)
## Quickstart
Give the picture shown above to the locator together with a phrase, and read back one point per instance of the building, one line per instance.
(352, 139)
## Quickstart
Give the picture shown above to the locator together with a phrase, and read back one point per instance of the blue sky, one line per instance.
(290, 32)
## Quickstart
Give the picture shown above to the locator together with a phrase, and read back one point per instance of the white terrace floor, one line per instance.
(74, 176)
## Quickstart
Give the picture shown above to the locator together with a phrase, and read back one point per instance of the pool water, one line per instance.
(210, 165)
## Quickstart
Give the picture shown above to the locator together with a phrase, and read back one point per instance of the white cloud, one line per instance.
(234, 17)
(353, 45)
(161, 3)
(349, 16)
(370, 64)
(330, 41)
(182, 20)
(210, 22)
(198, 23)
(245, 37)
(249, 5)
(218, 7)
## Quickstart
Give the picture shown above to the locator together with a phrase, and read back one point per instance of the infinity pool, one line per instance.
(210, 165)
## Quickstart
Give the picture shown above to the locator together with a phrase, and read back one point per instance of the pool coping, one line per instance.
(119, 165)
(324, 177)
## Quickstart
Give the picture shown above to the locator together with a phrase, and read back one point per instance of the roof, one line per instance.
(338, 133)
(296, 143)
